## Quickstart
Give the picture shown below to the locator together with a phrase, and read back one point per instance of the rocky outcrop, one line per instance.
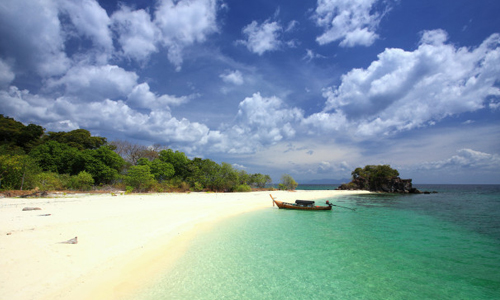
(393, 185)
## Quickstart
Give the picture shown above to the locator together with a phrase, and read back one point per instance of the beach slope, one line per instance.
(106, 246)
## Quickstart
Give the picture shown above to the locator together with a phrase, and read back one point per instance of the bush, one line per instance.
(48, 181)
(140, 178)
(83, 181)
(198, 187)
(243, 188)
(128, 189)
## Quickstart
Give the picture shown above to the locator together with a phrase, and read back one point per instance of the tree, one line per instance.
(287, 182)
(53, 156)
(133, 152)
(140, 178)
(179, 160)
(17, 171)
(161, 170)
(373, 176)
(80, 139)
(15, 135)
(103, 163)
(259, 180)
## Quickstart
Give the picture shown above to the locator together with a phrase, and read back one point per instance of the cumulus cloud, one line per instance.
(234, 77)
(466, 159)
(158, 125)
(261, 38)
(137, 34)
(37, 43)
(142, 97)
(353, 22)
(403, 90)
(93, 83)
(183, 23)
(91, 21)
(263, 121)
(6, 74)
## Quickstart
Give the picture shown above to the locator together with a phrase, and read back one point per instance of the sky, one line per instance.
(313, 89)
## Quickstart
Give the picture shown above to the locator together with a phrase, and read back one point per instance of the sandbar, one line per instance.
(122, 241)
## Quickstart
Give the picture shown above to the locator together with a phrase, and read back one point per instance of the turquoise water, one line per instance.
(438, 246)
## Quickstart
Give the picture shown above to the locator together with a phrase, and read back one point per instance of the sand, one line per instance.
(122, 241)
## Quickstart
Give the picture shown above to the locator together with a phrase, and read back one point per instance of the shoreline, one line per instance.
(123, 241)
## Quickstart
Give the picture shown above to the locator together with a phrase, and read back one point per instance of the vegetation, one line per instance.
(76, 160)
(373, 176)
(287, 183)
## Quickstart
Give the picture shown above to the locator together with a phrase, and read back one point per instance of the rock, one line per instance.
(31, 208)
(393, 185)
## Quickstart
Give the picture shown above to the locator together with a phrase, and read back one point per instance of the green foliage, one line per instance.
(80, 139)
(58, 158)
(48, 181)
(259, 180)
(14, 134)
(77, 160)
(103, 163)
(243, 188)
(178, 160)
(197, 187)
(140, 178)
(374, 175)
(287, 182)
(83, 181)
(128, 189)
(161, 170)
(17, 171)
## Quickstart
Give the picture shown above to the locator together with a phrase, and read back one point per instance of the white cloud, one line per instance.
(466, 159)
(310, 55)
(262, 38)
(142, 97)
(6, 74)
(94, 83)
(183, 23)
(137, 34)
(91, 21)
(403, 90)
(158, 125)
(262, 121)
(234, 77)
(326, 167)
(31, 36)
(353, 22)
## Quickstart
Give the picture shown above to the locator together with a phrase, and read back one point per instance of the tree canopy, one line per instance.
(30, 158)
(374, 175)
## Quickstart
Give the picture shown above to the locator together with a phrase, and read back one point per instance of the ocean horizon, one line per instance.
(393, 246)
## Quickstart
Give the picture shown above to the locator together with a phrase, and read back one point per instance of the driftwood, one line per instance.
(35, 194)
(71, 241)
(31, 208)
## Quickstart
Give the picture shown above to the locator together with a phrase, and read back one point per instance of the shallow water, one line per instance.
(438, 246)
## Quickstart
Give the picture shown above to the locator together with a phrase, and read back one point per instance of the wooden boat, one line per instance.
(301, 205)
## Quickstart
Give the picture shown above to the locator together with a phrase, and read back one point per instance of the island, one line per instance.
(379, 178)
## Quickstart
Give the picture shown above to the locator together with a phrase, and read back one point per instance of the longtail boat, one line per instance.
(301, 205)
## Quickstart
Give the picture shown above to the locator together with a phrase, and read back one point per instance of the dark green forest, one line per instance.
(31, 158)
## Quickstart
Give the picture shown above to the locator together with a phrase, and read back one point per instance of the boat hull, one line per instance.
(285, 205)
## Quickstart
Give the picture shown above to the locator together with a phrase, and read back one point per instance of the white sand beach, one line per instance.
(122, 241)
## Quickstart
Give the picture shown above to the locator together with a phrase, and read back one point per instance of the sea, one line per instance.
(443, 245)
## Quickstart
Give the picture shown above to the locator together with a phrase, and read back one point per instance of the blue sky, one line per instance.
(309, 88)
